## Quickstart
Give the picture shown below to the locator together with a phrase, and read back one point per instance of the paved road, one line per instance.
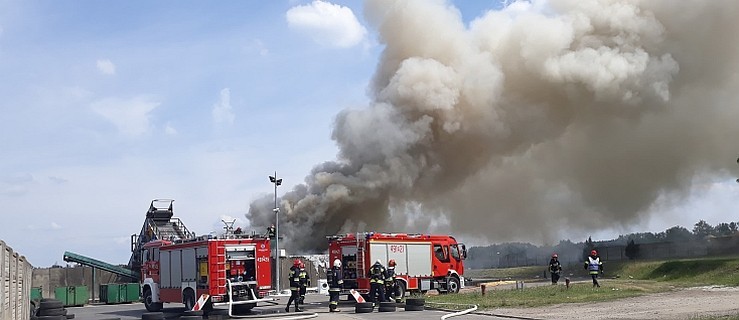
(315, 303)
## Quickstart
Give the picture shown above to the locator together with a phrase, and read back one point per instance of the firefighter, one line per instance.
(594, 266)
(294, 286)
(335, 284)
(390, 286)
(304, 283)
(271, 231)
(377, 277)
(555, 268)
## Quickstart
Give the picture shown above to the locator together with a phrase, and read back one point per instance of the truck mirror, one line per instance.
(464, 251)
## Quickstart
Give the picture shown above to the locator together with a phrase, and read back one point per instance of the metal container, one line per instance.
(72, 296)
(110, 293)
(132, 292)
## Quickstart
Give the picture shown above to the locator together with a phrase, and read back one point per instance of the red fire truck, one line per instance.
(233, 269)
(423, 262)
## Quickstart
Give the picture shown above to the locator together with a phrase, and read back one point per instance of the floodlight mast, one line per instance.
(276, 210)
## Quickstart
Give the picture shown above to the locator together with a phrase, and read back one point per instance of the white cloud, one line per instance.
(258, 46)
(327, 23)
(131, 117)
(55, 226)
(222, 110)
(105, 66)
(170, 130)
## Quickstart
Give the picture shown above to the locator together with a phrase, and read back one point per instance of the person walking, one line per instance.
(555, 268)
(390, 286)
(594, 267)
(294, 286)
(304, 283)
(335, 284)
(377, 277)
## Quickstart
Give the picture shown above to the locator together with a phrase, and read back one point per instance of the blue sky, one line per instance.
(108, 105)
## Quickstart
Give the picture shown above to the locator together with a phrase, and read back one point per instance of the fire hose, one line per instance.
(471, 308)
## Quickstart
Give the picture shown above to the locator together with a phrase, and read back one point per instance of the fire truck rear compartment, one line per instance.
(241, 272)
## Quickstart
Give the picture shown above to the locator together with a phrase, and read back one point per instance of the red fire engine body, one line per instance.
(234, 270)
(423, 262)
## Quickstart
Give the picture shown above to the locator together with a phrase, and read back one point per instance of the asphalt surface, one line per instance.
(315, 303)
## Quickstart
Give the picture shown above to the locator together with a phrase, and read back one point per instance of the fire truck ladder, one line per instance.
(83, 260)
(361, 240)
(160, 224)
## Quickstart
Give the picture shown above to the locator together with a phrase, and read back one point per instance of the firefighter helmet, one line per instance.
(593, 253)
(378, 261)
(302, 264)
(297, 262)
(337, 263)
(554, 255)
(391, 263)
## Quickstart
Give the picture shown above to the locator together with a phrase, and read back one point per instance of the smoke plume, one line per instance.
(543, 116)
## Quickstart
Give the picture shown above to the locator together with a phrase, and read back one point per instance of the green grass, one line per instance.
(685, 272)
(622, 280)
(547, 295)
(729, 317)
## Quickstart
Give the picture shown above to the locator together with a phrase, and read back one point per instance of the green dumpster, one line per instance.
(72, 296)
(36, 293)
(110, 293)
(113, 293)
(132, 292)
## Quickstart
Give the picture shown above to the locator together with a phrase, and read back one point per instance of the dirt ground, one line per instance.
(690, 303)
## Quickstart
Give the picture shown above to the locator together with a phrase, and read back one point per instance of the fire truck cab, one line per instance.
(423, 261)
(234, 270)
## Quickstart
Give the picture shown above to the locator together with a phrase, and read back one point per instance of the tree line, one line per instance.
(522, 254)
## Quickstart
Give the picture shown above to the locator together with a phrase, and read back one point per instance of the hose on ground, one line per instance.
(471, 308)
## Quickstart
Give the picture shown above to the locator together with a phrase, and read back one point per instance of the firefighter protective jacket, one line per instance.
(377, 274)
(295, 277)
(303, 278)
(554, 266)
(333, 277)
(390, 276)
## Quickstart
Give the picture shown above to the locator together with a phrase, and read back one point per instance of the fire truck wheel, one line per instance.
(70, 316)
(452, 285)
(51, 317)
(401, 288)
(190, 317)
(188, 298)
(149, 304)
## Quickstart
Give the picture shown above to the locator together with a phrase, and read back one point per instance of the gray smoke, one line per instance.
(544, 116)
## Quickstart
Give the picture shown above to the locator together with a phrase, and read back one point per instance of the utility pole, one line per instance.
(277, 182)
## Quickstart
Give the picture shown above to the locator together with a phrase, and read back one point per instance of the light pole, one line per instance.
(276, 210)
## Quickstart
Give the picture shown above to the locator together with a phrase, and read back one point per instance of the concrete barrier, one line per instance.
(15, 285)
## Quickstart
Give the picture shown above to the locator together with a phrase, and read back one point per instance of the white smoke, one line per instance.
(546, 113)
